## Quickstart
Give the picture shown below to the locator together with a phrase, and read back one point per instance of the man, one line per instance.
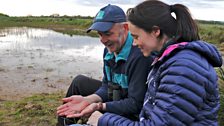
(125, 71)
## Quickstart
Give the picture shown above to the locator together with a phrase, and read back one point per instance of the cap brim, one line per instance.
(101, 26)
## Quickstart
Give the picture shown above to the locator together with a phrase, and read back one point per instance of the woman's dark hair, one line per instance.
(152, 13)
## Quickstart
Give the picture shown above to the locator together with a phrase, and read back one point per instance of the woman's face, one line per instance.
(146, 41)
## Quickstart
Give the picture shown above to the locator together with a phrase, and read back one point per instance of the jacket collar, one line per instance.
(168, 49)
(125, 51)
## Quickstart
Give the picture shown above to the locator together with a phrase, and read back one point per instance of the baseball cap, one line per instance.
(107, 17)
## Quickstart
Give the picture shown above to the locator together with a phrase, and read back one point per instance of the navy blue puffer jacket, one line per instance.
(182, 89)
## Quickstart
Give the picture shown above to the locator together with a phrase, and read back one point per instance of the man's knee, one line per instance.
(79, 79)
(74, 88)
(82, 85)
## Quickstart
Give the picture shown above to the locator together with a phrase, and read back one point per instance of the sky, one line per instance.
(200, 9)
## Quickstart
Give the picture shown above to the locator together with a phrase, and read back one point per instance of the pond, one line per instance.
(33, 59)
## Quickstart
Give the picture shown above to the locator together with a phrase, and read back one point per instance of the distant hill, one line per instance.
(211, 22)
(3, 15)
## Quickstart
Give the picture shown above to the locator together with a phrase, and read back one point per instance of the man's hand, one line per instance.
(87, 111)
(73, 104)
(94, 118)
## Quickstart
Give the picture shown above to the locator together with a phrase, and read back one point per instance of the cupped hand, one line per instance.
(73, 104)
(85, 112)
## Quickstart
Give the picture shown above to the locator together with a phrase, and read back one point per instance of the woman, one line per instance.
(182, 84)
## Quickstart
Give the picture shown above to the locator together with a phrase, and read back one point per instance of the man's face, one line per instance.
(113, 39)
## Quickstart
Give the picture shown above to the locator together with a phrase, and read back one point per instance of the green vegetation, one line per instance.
(213, 33)
(221, 91)
(3, 15)
(68, 25)
(221, 110)
(40, 109)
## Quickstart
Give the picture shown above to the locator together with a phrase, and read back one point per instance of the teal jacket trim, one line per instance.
(123, 55)
(120, 79)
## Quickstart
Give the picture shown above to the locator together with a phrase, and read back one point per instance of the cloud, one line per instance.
(212, 0)
(201, 9)
(105, 2)
(199, 3)
(188, 3)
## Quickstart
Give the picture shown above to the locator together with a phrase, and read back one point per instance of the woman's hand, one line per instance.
(94, 118)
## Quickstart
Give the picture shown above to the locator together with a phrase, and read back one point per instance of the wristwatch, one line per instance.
(100, 106)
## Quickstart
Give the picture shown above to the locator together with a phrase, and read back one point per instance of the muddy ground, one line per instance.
(24, 73)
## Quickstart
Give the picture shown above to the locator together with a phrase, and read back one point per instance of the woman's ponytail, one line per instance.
(186, 26)
(152, 13)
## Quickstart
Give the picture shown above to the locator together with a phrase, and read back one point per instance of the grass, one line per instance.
(221, 110)
(221, 91)
(39, 110)
(213, 33)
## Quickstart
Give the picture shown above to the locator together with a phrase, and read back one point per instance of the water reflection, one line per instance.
(44, 61)
(21, 39)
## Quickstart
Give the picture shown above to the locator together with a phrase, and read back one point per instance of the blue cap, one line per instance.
(106, 17)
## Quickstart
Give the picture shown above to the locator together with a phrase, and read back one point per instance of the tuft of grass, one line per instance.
(38, 110)
(221, 92)
(221, 110)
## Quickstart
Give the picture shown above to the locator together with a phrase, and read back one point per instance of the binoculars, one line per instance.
(114, 91)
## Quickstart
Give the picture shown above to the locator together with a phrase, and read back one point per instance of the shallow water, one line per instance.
(40, 60)
(41, 46)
